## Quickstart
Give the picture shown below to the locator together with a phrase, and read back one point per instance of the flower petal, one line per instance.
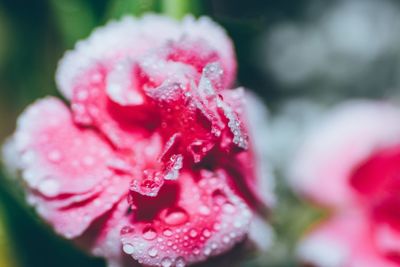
(187, 222)
(353, 131)
(262, 183)
(126, 38)
(215, 36)
(343, 241)
(107, 241)
(54, 161)
(70, 185)
(131, 37)
(71, 221)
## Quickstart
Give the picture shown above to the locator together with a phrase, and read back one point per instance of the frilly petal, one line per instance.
(190, 221)
(50, 147)
(342, 241)
(322, 167)
(130, 38)
(256, 114)
(65, 168)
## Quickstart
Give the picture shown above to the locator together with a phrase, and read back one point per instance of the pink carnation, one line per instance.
(351, 164)
(153, 157)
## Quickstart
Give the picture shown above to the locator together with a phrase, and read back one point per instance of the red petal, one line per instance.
(70, 185)
(344, 240)
(123, 126)
(187, 222)
(51, 146)
(107, 241)
(73, 220)
(346, 138)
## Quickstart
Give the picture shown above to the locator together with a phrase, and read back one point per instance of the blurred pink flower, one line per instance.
(153, 158)
(351, 164)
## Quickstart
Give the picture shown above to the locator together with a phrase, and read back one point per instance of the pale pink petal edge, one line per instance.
(121, 36)
(344, 138)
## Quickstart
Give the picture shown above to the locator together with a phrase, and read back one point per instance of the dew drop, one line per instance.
(204, 210)
(228, 207)
(149, 233)
(82, 95)
(128, 248)
(217, 227)
(219, 197)
(126, 230)
(175, 216)
(167, 232)
(237, 224)
(49, 187)
(166, 262)
(54, 156)
(152, 252)
(180, 262)
(196, 251)
(226, 239)
(206, 233)
(207, 251)
(193, 233)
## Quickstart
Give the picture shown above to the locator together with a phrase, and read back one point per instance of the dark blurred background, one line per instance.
(296, 55)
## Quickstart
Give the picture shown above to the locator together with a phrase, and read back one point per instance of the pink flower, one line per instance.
(351, 164)
(153, 158)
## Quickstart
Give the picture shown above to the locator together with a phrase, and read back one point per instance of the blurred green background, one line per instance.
(287, 50)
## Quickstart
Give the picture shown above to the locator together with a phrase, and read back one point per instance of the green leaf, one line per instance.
(7, 255)
(75, 19)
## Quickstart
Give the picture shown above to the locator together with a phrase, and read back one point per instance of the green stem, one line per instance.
(119, 8)
(179, 8)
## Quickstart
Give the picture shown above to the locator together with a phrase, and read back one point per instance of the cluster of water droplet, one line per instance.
(211, 75)
(121, 85)
(84, 105)
(173, 166)
(181, 236)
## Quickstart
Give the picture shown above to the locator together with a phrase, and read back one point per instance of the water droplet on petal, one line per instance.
(54, 156)
(175, 216)
(149, 233)
(49, 187)
(196, 251)
(152, 252)
(126, 230)
(82, 95)
(128, 248)
(166, 262)
(228, 207)
(204, 210)
(167, 232)
(207, 251)
(180, 262)
(206, 233)
(193, 233)
(219, 197)
(226, 239)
